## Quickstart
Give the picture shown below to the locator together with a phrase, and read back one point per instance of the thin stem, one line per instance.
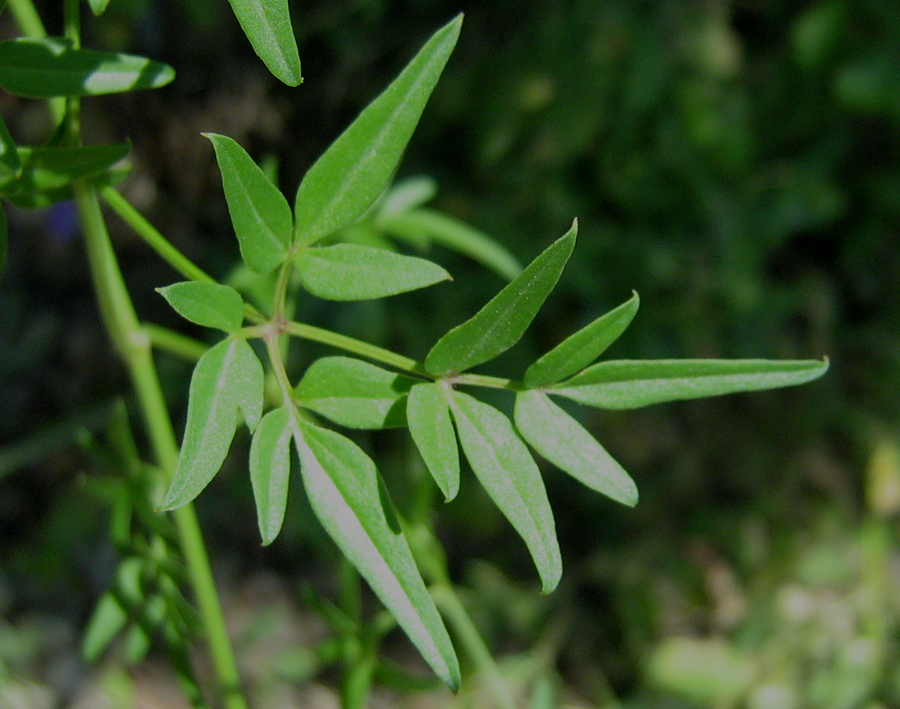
(483, 380)
(162, 338)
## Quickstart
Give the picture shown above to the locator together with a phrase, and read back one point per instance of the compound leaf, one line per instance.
(428, 418)
(499, 324)
(259, 212)
(629, 384)
(565, 443)
(354, 393)
(355, 272)
(507, 471)
(206, 304)
(270, 467)
(267, 24)
(349, 498)
(577, 351)
(354, 171)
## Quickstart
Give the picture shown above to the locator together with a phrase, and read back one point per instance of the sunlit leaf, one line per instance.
(565, 443)
(270, 467)
(267, 24)
(355, 170)
(259, 212)
(510, 476)
(354, 272)
(628, 384)
(499, 324)
(428, 417)
(207, 304)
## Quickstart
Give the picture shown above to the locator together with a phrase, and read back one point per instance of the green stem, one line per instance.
(162, 338)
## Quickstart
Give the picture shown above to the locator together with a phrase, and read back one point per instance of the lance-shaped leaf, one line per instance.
(270, 467)
(10, 165)
(628, 384)
(565, 443)
(206, 304)
(354, 393)
(428, 417)
(406, 195)
(44, 68)
(354, 171)
(349, 498)
(354, 272)
(507, 471)
(227, 377)
(267, 24)
(98, 7)
(259, 212)
(45, 169)
(499, 324)
(577, 351)
(107, 621)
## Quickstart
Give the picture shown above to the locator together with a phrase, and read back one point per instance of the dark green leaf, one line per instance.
(354, 272)
(44, 68)
(428, 416)
(227, 378)
(628, 384)
(259, 212)
(565, 443)
(355, 170)
(577, 351)
(4, 238)
(270, 468)
(349, 498)
(45, 169)
(499, 324)
(10, 165)
(267, 24)
(207, 304)
(354, 393)
(510, 476)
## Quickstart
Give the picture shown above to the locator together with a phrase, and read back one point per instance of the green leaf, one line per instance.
(270, 468)
(349, 498)
(406, 195)
(227, 377)
(47, 169)
(98, 7)
(259, 212)
(267, 24)
(629, 384)
(577, 351)
(4, 239)
(565, 443)
(426, 225)
(107, 621)
(428, 417)
(10, 165)
(354, 272)
(354, 393)
(355, 170)
(510, 476)
(206, 304)
(44, 68)
(499, 324)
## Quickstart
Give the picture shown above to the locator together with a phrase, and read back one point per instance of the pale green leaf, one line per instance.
(98, 7)
(228, 377)
(406, 194)
(354, 272)
(628, 384)
(577, 351)
(508, 473)
(499, 324)
(428, 417)
(10, 165)
(355, 170)
(206, 304)
(267, 24)
(354, 393)
(349, 498)
(270, 468)
(259, 212)
(565, 443)
(107, 621)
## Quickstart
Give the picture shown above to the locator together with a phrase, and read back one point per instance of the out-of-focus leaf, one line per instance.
(44, 68)
(259, 212)
(227, 378)
(579, 350)
(267, 24)
(499, 324)
(356, 168)
(354, 272)
(565, 443)
(23, 194)
(428, 417)
(510, 476)
(98, 7)
(270, 468)
(628, 384)
(406, 195)
(105, 624)
(10, 165)
(350, 500)
(47, 169)
(206, 304)
(4, 239)
(354, 393)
